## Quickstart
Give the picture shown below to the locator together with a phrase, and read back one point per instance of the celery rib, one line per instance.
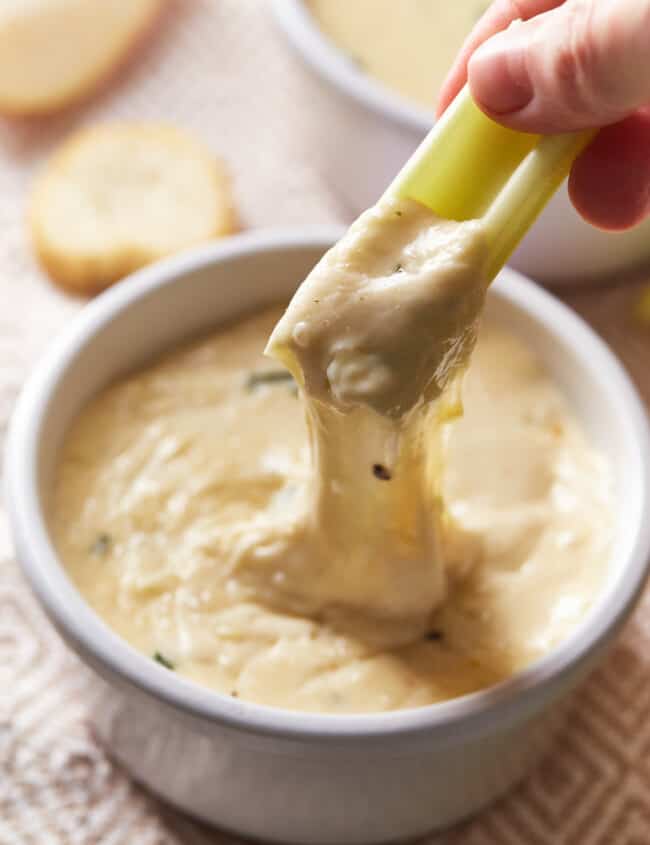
(469, 167)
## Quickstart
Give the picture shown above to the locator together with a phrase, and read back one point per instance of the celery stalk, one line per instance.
(532, 185)
(469, 167)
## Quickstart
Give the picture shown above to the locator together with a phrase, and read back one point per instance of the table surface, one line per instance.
(221, 70)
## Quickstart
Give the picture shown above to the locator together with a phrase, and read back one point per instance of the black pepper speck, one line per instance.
(380, 472)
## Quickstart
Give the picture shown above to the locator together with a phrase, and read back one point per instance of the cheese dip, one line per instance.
(408, 45)
(187, 512)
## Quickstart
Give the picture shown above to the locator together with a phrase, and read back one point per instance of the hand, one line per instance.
(571, 64)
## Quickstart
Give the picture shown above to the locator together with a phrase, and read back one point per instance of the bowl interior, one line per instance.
(331, 62)
(182, 297)
(196, 297)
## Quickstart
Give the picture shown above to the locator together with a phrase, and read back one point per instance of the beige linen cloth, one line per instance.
(220, 69)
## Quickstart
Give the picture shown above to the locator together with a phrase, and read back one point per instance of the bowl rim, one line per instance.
(113, 656)
(323, 56)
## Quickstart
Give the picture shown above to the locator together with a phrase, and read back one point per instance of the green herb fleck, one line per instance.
(398, 269)
(380, 472)
(101, 545)
(434, 636)
(398, 214)
(257, 379)
(160, 658)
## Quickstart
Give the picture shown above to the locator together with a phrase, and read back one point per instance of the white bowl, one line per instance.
(271, 773)
(368, 132)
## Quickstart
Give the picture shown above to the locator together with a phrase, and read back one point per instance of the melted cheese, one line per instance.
(186, 511)
(376, 335)
(388, 316)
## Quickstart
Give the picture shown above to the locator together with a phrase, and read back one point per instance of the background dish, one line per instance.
(303, 777)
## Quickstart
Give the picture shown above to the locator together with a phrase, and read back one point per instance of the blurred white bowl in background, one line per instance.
(368, 132)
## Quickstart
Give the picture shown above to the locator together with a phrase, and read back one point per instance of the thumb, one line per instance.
(583, 64)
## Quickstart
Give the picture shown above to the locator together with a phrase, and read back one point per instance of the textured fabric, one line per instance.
(220, 69)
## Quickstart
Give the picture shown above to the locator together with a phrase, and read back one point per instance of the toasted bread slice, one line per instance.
(117, 197)
(53, 52)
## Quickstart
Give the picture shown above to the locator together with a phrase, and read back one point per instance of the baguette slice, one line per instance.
(117, 197)
(53, 52)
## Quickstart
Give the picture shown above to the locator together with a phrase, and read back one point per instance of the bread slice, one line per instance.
(53, 52)
(116, 197)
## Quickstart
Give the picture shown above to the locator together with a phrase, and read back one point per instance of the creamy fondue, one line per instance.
(188, 513)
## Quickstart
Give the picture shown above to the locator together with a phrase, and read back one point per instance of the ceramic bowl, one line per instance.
(371, 131)
(271, 773)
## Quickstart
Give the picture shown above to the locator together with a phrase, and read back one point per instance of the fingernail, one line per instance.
(498, 77)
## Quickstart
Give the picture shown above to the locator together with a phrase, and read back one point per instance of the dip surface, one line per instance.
(408, 45)
(180, 490)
